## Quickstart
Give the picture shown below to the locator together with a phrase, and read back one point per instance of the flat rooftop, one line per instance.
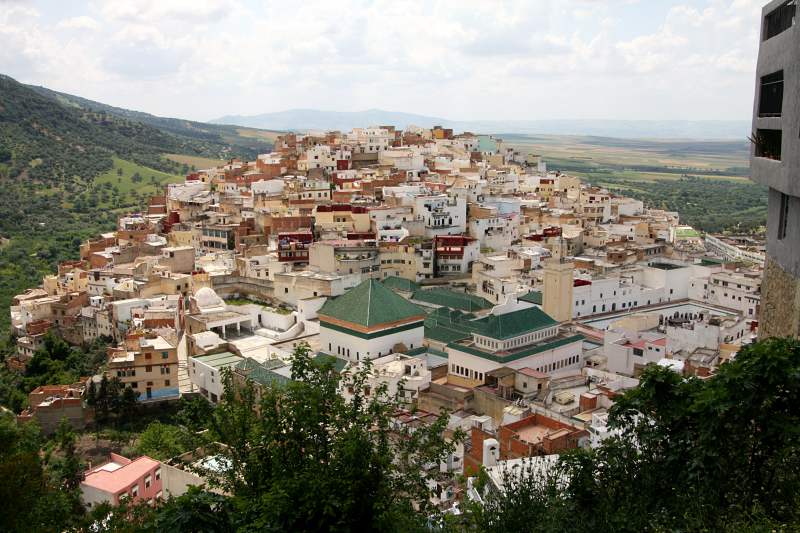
(218, 360)
(667, 310)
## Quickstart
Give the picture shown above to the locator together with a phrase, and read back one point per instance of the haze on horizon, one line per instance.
(461, 60)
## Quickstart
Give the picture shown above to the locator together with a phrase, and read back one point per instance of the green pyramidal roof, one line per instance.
(370, 304)
(515, 323)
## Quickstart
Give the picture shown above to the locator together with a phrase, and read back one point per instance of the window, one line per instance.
(768, 144)
(783, 216)
(770, 99)
(164, 355)
(166, 383)
(148, 368)
(779, 20)
(147, 481)
(135, 491)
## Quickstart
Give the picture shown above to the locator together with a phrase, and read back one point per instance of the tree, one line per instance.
(197, 510)
(302, 458)
(161, 441)
(28, 500)
(5, 154)
(128, 403)
(70, 469)
(195, 413)
(721, 454)
(108, 399)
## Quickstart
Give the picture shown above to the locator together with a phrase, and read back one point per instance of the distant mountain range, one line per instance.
(314, 119)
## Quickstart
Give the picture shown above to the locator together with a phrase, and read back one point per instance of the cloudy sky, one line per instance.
(534, 59)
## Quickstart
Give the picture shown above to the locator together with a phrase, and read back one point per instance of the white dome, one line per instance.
(206, 298)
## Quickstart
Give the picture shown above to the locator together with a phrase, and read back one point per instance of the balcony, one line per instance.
(768, 144)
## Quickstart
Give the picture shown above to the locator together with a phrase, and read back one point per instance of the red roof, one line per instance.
(112, 480)
(527, 371)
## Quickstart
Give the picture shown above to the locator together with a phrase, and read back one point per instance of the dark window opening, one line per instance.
(783, 216)
(779, 20)
(768, 144)
(770, 100)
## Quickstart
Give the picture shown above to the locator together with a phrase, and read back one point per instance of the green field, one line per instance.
(262, 135)
(122, 182)
(199, 163)
(718, 158)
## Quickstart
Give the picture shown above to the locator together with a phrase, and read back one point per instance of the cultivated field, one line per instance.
(199, 163)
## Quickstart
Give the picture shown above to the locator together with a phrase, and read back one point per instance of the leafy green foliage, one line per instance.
(112, 400)
(59, 363)
(165, 441)
(716, 455)
(712, 205)
(29, 500)
(302, 458)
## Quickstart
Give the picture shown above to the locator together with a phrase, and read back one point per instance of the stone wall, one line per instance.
(780, 303)
(226, 286)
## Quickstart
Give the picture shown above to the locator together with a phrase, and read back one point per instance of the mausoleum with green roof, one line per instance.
(369, 321)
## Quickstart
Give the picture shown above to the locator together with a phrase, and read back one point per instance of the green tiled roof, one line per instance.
(323, 358)
(520, 354)
(532, 297)
(259, 373)
(425, 350)
(370, 304)
(452, 299)
(514, 323)
(400, 284)
(218, 360)
(449, 325)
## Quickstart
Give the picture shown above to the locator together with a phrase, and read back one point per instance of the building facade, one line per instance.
(775, 162)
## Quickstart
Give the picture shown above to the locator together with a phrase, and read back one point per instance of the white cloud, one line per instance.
(78, 23)
(459, 59)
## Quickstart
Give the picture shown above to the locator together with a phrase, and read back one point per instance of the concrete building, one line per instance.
(205, 372)
(49, 404)
(775, 162)
(731, 289)
(403, 376)
(148, 363)
(120, 479)
(496, 277)
(345, 257)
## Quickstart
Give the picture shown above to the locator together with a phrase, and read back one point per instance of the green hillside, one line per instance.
(200, 139)
(70, 166)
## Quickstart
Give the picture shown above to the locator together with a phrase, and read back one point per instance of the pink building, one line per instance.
(121, 478)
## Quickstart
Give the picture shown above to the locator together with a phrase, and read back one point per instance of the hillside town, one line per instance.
(458, 272)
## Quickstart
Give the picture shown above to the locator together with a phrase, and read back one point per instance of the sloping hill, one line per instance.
(207, 140)
(69, 167)
(314, 119)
